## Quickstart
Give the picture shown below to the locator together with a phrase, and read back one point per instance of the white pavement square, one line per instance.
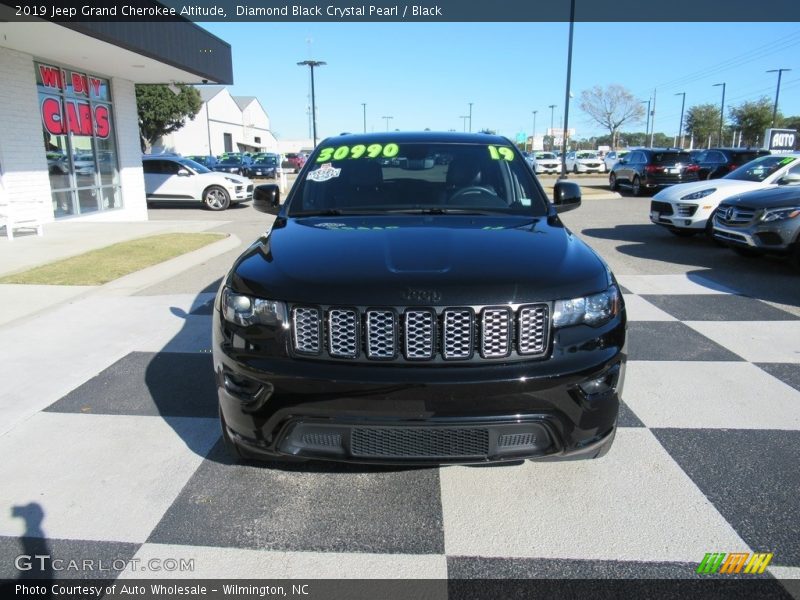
(756, 341)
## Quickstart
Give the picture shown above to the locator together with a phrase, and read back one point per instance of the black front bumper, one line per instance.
(412, 414)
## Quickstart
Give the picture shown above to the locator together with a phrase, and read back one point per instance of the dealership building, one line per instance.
(69, 133)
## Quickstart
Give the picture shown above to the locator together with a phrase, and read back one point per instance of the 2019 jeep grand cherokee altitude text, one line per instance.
(418, 300)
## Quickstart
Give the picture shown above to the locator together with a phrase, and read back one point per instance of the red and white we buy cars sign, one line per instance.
(61, 116)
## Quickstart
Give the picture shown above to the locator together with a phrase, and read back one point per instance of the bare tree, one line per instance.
(611, 107)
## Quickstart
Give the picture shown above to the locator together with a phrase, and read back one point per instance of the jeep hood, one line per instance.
(419, 260)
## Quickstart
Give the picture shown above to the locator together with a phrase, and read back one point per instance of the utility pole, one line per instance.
(470, 117)
(364, 105)
(721, 111)
(311, 64)
(552, 137)
(647, 125)
(567, 92)
(653, 125)
(777, 93)
(533, 136)
(387, 121)
(683, 103)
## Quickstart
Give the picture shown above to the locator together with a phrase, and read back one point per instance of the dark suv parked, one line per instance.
(718, 162)
(762, 222)
(234, 163)
(405, 309)
(650, 169)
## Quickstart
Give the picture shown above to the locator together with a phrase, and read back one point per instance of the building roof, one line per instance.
(244, 101)
(207, 92)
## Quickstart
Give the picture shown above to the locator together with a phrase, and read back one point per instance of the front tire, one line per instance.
(612, 183)
(636, 187)
(216, 198)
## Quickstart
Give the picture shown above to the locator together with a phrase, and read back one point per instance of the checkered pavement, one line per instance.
(112, 450)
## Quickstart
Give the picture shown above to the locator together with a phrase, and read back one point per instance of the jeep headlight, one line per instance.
(700, 194)
(592, 310)
(780, 214)
(246, 310)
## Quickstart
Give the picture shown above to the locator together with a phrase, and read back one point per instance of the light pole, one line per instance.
(470, 117)
(680, 125)
(364, 105)
(311, 64)
(552, 137)
(647, 126)
(533, 136)
(777, 92)
(464, 121)
(567, 92)
(721, 110)
(387, 121)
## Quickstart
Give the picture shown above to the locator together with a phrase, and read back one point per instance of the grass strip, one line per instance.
(100, 266)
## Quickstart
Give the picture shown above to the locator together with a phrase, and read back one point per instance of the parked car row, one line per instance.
(754, 209)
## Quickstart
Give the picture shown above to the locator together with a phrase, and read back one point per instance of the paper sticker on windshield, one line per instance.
(501, 153)
(324, 173)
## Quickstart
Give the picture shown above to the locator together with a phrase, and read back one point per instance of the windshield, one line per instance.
(587, 155)
(195, 166)
(231, 160)
(269, 161)
(760, 168)
(545, 156)
(418, 177)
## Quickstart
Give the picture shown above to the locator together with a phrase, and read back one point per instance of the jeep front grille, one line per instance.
(421, 334)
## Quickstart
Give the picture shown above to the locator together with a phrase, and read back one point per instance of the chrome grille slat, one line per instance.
(381, 334)
(495, 332)
(343, 338)
(419, 334)
(306, 330)
(532, 329)
(739, 215)
(465, 333)
(457, 336)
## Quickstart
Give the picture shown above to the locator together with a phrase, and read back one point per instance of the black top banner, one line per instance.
(399, 11)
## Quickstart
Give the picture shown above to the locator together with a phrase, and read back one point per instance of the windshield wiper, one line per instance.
(332, 212)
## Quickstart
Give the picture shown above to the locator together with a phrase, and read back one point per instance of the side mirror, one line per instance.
(183, 173)
(267, 198)
(622, 161)
(566, 196)
(789, 179)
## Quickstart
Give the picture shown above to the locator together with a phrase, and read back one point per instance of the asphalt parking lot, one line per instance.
(126, 460)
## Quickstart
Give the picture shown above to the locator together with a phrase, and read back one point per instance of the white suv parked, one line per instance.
(178, 178)
(687, 208)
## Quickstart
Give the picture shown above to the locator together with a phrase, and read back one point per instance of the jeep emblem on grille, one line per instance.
(412, 295)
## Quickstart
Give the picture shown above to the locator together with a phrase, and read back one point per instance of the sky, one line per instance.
(426, 74)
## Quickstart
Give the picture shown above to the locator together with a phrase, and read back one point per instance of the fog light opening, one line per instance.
(242, 388)
(604, 384)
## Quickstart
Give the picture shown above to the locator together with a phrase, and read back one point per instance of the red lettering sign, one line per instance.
(51, 116)
(81, 119)
(80, 84)
(102, 127)
(51, 77)
(95, 83)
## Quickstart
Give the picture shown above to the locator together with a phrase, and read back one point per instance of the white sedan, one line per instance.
(584, 161)
(545, 162)
(686, 208)
(611, 158)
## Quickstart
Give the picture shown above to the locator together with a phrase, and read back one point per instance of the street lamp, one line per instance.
(680, 127)
(387, 121)
(777, 92)
(721, 110)
(533, 136)
(464, 121)
(470, 117)
(551, 107)
(364, 105)
(311, 64)
(567, 92)
(647, 126)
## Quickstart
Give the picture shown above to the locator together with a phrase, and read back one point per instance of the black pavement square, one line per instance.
(788, 373)
(718, 307)
(627, 418)
(751, 477)
(313, 506)
(671, 340)
(148, 384)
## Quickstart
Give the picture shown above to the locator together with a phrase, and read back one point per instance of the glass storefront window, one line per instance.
(79, 140)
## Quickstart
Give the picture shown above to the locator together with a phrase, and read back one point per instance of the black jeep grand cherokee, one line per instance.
(418, 300)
